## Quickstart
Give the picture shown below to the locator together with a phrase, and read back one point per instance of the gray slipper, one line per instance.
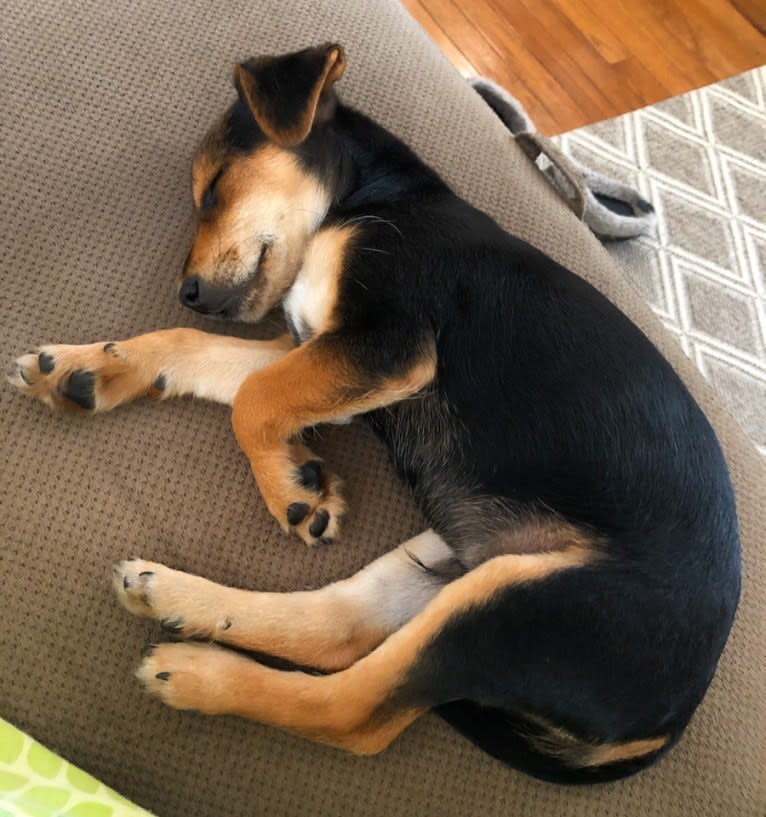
(613, 210)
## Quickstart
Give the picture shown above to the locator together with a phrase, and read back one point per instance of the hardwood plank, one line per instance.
(547, 72)
(491, 63)
(754, 11)
(441, 38)
(572, 62)
(595, 29)
(534, 85)
(570, 57)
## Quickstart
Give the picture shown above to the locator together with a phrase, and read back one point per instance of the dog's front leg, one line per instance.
(169, 363)
(315, 383)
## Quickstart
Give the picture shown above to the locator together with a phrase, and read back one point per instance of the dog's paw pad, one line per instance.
(319, 523)
(297, 512)
(46, 363)
(80, 388)
(310, 475)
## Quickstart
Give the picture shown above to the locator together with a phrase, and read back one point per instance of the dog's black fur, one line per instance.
(548, 403)
(551, 423)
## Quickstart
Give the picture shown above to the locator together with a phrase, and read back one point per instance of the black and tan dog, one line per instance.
(567, 608)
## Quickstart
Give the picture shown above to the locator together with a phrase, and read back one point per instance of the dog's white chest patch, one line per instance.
(306, 305)
(310, 303)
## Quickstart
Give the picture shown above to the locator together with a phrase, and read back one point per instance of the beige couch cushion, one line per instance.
(102, 105)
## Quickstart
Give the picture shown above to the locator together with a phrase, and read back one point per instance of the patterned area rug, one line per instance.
(700, 159)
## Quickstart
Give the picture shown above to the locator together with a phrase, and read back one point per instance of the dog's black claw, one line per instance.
(297, 512)
(160, 383)
(80, 389)
(226, 624)
(319, 524)
(148, 650)
(45, 362)
(162, 676)
(109, 346)
(173, 626)
(146, 573)
(310, 475)
(126, 582)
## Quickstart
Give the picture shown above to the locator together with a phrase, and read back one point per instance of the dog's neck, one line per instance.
(369, 171)
(372, 166)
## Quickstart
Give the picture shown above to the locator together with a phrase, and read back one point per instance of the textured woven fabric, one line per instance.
(102, 105)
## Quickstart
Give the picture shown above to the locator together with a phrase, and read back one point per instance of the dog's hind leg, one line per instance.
(328, 629)
(364, 707)
(168, 363)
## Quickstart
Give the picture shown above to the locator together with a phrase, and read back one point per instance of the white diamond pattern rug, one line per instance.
(700, 159)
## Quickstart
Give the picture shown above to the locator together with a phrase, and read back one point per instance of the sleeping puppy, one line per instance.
(568, 605)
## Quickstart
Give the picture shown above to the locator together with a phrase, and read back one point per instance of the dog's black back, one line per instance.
(549, 404)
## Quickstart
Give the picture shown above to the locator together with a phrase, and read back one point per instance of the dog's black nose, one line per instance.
(189, 294)
(208, 299)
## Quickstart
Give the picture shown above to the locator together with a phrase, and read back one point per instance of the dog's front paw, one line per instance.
(92, 377)
(315, 506)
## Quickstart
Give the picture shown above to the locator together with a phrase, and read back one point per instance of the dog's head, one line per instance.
(262, 184)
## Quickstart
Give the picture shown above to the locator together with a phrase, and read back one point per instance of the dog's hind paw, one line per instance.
(193, 676)
(184, 605)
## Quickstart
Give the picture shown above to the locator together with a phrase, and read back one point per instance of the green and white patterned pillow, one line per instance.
(35, 782)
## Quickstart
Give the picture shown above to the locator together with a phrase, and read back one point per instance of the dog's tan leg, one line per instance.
(328, 628)
(315, 383)
(362, 708)
(168, 363)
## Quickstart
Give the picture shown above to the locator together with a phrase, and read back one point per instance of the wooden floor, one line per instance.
(573, 62)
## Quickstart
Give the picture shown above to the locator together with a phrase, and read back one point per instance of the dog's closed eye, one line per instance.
(209, 196)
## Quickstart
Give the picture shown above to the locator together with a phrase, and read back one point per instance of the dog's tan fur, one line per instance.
(312, 300)
(349, 708)
(575, 751)
(315, 383)
(266, 209)
(168, 363)
(329, 628)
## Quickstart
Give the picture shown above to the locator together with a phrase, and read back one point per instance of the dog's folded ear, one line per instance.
(287, 95)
